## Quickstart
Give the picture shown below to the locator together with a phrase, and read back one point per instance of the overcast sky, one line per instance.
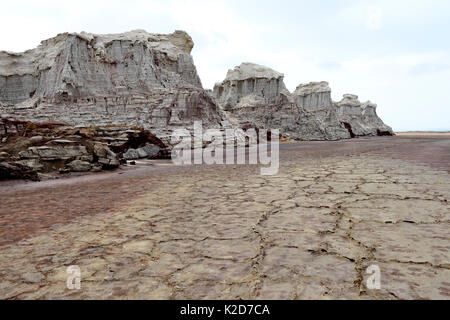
(393, 52)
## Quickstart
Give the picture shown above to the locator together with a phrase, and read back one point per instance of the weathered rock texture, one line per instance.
(80, 65)
(30, 149)
(150, 81)
(315, 97)
(361, 119)
(255, 96)
(135, 78)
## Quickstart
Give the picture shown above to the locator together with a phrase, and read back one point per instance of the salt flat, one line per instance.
(226, 232)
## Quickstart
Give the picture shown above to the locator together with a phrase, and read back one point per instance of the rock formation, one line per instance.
(134, 78)
(252, 82)
(361, 119)
(17, 171)
(72, 66)
(256, 96)
(29, 149)
(149, 83)
(315, 97)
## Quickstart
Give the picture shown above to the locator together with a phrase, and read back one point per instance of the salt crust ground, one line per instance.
(228, 233)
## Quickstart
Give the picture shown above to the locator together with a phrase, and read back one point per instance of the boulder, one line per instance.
(35, 164)
(106, 157)
(131, 154)
(79, 166)
(17, 171)
(148, 151)
(48, 153)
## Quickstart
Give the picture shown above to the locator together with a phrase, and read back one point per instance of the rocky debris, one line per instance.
(361, 119)
(120, 139)
(149, 150)
(55, 147)
(80, 166)
(4, 155)
(16, 170)
(159, 111)
(105, 156)
(255, 96)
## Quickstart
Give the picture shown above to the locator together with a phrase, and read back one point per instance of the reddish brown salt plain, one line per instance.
(157, 231)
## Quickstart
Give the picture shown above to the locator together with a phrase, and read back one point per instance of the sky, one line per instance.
(394, 53)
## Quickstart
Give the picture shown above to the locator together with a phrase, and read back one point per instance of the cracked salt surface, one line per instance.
(226, 232)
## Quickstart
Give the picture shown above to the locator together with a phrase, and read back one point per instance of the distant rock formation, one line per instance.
(150, 81)
(361, 119)
(256, 96)
(134, 78)
(249, 81)
(315, 97)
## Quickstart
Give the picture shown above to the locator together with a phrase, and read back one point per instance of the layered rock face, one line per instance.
(149, 84)
(29, 150)
(134, 78)
(361, 119)
(72, 66)
(256, 96)
(150, 81)
(250, 81)
(315, 97)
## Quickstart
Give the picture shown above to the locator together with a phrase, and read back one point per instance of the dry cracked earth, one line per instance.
(225, 232)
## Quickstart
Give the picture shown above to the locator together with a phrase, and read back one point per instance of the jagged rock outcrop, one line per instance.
(134, 78)
(255, 96)
(150, 81)
(249, 81)
(33, 148)
(10, 171)
(72, 66)
(315, 97)
(361, 119)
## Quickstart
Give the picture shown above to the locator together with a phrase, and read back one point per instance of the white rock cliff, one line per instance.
(361, 119)
(134, 78)
(150, 81)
